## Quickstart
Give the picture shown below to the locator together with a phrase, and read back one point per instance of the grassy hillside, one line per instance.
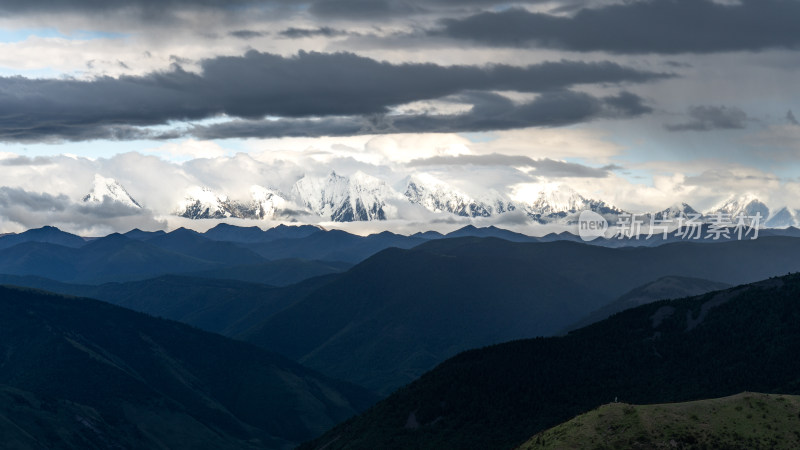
(744, 421)
(79, 373)
(713, 345)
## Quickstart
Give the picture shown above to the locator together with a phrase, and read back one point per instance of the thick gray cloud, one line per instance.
(11, 197)
(247, 34)
(489, 112)
(707, 118)
(23, 160)
(544, 167)
(153, 7)
(257, 84)
(550, 109)
(329, 9)
(364, 9)
(299, 33)
(32, 210)
(657, 26)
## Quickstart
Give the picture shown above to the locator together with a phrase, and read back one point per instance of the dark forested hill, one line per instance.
(399, 313)
(83, 374)
(664, 288)
(718, 344)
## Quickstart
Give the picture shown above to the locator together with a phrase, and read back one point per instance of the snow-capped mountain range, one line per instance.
(558, 203)
(437, 196)
(362, 197)
(203, 203)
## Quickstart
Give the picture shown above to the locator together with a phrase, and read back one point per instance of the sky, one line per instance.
(641, 104)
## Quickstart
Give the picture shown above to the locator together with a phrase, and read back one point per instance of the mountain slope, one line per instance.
(193, 244)
(437, 196)
(714, 345)
(740, 422)
(113, 378)
(227, 307)
(333, 245)
(249, 235)
(283, 272)
(669, 287)
(49, 235)
(114, 257)
(396, 315)
(399, 313)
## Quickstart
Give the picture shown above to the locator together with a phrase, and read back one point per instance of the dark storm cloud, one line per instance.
(489, 112)
(550, 109)
(707, 118)
(387, 9)
(306, 85)
(329, 126)
(328, 9)
(299, 33)
(544, 167)
(791, 118)
(363, 9)
(658, 26)
(99, 6)
(247, 34)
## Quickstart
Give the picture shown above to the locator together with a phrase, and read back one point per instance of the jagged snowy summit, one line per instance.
(108, 189)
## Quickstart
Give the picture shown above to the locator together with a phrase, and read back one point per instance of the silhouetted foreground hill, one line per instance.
(79, 373)
(747, 421)
(718, 344)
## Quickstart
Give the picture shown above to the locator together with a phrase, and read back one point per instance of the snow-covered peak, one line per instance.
(108, 188)
(437, 196)
(554, 198)
(783, 218)
(553, 202)
(203, 203)
(360, 197)
(748, 205)
(675, 211)
(267, 201)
